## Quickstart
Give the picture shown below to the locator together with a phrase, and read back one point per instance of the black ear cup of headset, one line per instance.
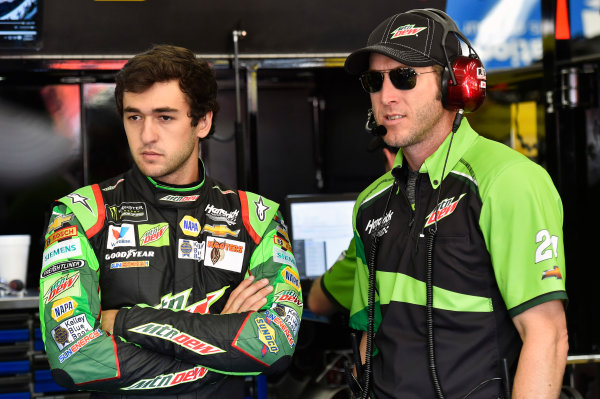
(463, 78)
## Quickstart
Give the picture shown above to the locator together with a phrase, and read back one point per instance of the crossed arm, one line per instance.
(249, 296)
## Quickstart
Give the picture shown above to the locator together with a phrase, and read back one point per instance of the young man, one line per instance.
(463, 238)
(162, 281)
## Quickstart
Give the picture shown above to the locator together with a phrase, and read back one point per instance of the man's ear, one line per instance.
(204, 125)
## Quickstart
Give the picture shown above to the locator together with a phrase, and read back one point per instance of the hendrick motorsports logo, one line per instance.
(221, 215)
(168, 333)
(169, 380)
(381, 224)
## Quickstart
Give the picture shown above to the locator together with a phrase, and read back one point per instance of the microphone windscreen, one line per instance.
(16, 285)
(379, 130)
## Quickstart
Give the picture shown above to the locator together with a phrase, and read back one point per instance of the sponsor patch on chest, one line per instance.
(224, 254)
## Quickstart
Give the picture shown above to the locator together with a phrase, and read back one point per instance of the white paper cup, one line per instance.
(14, 253)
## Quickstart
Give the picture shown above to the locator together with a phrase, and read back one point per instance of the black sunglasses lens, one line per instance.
(403, 78)
(371, 81)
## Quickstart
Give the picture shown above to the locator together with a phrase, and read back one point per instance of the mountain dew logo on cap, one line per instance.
(406, 30)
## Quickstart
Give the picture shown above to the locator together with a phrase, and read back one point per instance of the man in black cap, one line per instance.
(459, 284)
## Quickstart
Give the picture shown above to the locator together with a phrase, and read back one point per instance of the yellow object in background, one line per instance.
(523, 128)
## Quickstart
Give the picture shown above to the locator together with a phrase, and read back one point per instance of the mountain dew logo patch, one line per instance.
(171, 334)
(169, 380)
(406, 30)
(154, 235)
(445, 208)
(61, 286)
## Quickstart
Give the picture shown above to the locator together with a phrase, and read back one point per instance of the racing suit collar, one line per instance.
(433, 165)
(172, 196)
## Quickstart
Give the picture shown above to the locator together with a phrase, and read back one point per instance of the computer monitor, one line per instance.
(320, 227)
(20, 24)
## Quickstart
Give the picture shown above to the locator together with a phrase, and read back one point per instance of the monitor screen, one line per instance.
(20, 24)
(320, 227)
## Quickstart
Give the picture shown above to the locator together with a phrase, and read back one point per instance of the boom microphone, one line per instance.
(372, 127)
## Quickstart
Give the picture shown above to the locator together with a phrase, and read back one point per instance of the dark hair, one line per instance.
(163, 63)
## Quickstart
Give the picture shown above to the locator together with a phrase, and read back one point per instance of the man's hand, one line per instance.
(248, 296)
(108, 320)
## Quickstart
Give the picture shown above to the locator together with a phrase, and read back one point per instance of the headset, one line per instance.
(464, 78)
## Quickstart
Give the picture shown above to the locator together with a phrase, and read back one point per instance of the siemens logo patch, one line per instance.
(62, 250)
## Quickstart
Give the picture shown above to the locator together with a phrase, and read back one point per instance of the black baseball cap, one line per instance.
(411, 38)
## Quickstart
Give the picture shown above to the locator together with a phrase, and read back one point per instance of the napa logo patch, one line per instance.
(190, 226)
(63, 308)
(291, 277)
(154, 235)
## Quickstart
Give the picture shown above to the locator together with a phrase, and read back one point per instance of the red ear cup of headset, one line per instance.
(468, 92)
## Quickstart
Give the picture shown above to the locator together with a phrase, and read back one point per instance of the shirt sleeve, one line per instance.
(338, 282)
(81, 355)
(240, 343)
(521, 220)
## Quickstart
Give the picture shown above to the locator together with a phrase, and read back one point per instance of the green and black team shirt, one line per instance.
(168, 257)
(498, 252)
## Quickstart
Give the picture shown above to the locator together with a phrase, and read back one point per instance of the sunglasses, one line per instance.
(401, 78)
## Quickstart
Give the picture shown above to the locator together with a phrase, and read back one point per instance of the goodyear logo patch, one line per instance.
(63, 308)
(291, 277)
(190, 226)
(266, 335)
